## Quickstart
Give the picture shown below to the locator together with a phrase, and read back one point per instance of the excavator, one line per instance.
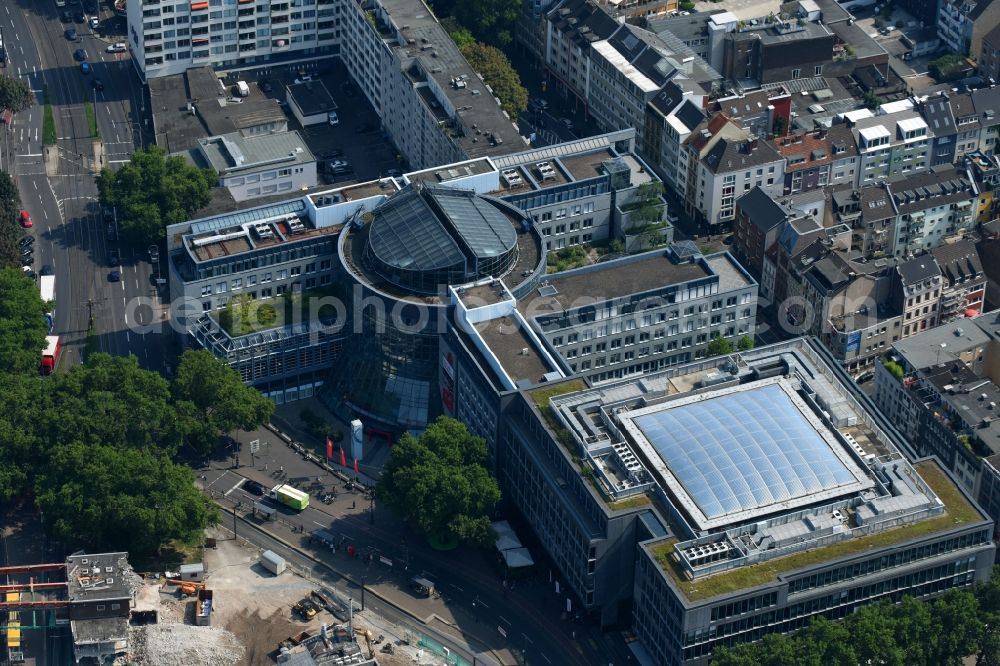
(188, 588)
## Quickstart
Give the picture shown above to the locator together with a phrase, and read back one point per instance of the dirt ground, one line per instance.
(256, 606)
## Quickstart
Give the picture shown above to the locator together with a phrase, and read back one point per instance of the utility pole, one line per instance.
(362, 593)
(234, 523)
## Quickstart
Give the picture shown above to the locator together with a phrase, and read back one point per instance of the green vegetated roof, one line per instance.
(957, 512)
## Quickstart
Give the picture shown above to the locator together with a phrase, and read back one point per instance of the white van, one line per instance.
(242, 89)
(333, 118)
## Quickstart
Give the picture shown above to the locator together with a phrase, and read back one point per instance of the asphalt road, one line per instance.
(57, 186)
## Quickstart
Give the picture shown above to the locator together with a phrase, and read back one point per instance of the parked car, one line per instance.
(71, 34)
(85, 67)
(305, 78)
(115, 276)
(332, 118)
(45, 270)
(114, 259)
(254, 488)
(28, 260)
(26, 220)
(26, 250)
(30, 273)
(119, 47)
(97, 84)
(80, 55)
(330, 154)
(95, 22)
(265, 86)
(26, 241)
(79, 17)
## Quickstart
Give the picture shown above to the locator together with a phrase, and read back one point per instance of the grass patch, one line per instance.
(92, 120)
(957, 512)
(48, 120)
(244, 315)
(630, 503)
(171, 556)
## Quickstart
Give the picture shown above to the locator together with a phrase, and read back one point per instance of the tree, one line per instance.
(491, 21)
(15, 94)
(499, 75)
(212, 400)
(955, 626)
(22, 323)
(745, 343)
(152, 191)
(947, 68)
(439, 483)
(719, 346)
(120, 499)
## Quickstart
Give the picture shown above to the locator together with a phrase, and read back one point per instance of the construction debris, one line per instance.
(182, 645)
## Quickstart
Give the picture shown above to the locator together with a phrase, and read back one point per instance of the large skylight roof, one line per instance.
(744, 454)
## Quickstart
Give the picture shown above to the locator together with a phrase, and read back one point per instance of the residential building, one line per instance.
(986, 102)
(985, 170)
(967, 125)
(916, 293)
(988, 64)
(166, 38)
(635, 503)
(844, 155)
(891, 144)
(937, 112)
(962, 24)
(671, 116)
(433, 106)
(925, 11)
(258, 165)
(940, 388)
(963, 286)
(808, 160)
(723, 163)
(932, 207)
(759, 221)
(773, 52)
(570, 29)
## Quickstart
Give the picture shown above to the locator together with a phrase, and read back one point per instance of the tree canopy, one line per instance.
(10, 230)
(941, 632)
(490, 21)
(499, 75)
(719, 346)
(212, 399)
(439, 483)
(22, 323)
(152, 191)
(15, 94)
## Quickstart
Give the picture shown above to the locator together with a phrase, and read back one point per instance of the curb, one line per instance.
(350, 579)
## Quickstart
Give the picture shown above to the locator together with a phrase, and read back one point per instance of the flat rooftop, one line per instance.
(744, 452)
(614, 279)
(428, 44)
(517, 354)
(311, 97)
(99, 576)
(234, 153)
(442, 174)
(178, 130)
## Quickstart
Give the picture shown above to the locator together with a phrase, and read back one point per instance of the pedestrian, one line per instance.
(354, 504)
(265, 467)
(281, 469)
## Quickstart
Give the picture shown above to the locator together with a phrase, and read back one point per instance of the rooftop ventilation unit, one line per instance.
(546, 171)
(263, 231)
(511, 177)
(296, 226)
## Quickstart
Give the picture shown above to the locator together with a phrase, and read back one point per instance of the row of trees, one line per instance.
(152, 191)
(489, 21)
(497, 72)
(10, 231)
(941, 632)
(97, 447)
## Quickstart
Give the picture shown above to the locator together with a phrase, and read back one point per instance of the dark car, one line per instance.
(114, 259)
(97, 85)
(80, 55)
(114, 276)
(45, 270)
(28, 261)
(71, 35)
(330, 154)
(26, 241)
(78, 17)
(265, 86)
(254, 488)
(26, 250)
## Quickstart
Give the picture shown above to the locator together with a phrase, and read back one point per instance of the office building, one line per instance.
(644, 514)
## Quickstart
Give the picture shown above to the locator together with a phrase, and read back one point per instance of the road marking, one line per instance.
(226, 494)
(35, 183)
(126, 319)
(545, 658)
(119, 161)
(137, 283)
(480, 602)
(128, 340)
(123, 284)
(503, 619)
(319, 523)
(456, 587)
(30, 155)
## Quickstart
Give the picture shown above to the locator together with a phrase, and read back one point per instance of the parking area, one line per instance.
(357, 139)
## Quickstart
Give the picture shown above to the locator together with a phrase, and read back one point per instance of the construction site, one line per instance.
(234, 608)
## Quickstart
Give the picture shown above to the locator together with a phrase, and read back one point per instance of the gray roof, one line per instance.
(764, 212)
(937, 186)
(235, 153)
(311, 97)
(690, 114)
(686, 28)
(987, 104)
(99, 576)
(962, 107)
(477, 109)
(876, 204)
(842, 142)
(729, 155)
(958, 261)
(583, 21)
(937, 114)
(918, 269)
(941, 344)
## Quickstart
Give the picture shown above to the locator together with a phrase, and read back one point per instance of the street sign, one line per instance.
(255, 446)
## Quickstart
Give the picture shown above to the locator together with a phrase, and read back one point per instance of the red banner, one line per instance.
(329, 448)
(343, 458)
(356, 466)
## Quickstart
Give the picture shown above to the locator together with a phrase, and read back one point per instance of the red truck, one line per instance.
(51, 354)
